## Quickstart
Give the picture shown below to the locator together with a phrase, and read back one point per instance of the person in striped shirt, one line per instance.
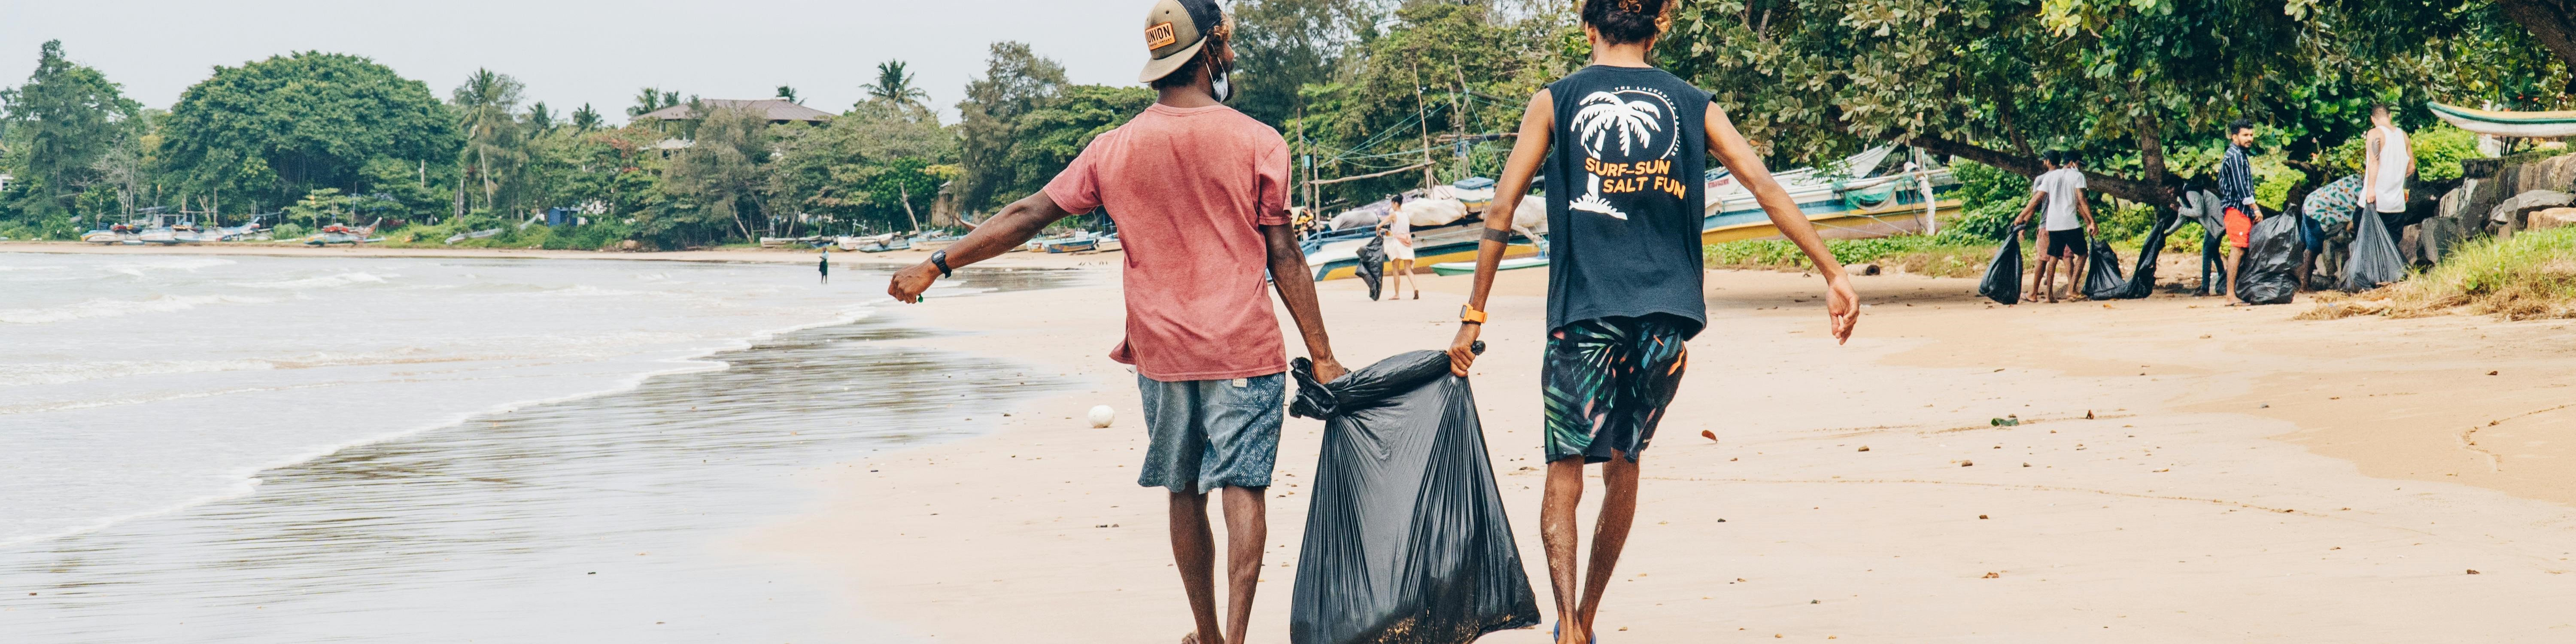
(2236, 194)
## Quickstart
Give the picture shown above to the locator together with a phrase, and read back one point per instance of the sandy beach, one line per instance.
(2183, 471)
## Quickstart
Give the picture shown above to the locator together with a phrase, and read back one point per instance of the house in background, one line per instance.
(4, 181)
(779, 110)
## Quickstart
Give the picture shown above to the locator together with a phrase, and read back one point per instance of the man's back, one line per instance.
(1190, 188)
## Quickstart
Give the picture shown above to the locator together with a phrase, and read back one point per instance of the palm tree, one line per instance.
(540, 118)
(646, 100)
(787, 93)
(585, 119)
(485, 107)
(894, 85)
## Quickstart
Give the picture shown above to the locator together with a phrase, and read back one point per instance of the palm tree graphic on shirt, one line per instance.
(1604, 119)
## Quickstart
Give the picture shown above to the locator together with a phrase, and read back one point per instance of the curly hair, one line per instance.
(1625, 21)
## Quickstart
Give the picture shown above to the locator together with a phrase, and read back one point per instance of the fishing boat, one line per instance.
(113, 234)
(930, 242)
(344, 234)
(1337, 256)
(2537, 125)
(1850, 199)
(873, 243)
(1083, 241)
(1109, 244)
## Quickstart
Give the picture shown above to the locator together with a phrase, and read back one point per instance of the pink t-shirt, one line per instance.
(1189, 189)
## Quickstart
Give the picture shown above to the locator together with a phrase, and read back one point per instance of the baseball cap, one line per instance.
(1174, 37)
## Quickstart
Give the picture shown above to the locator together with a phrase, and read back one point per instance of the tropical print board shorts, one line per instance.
(1607, 382)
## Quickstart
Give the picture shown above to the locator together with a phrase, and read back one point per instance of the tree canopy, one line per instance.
(61, 124)
(273, 130)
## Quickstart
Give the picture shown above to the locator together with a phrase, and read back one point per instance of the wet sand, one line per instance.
(2276, 480)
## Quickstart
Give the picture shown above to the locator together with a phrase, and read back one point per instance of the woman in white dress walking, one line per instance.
(1399, 250)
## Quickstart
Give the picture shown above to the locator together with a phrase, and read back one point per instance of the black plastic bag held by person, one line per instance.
(1372, 268)
(2374, 259)
(2102, 280)
(2142, 280)
(2003, 276)
(2269, 272)
(1406, 540)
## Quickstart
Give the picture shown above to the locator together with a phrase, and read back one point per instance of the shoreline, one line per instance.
(736, 255)
(2183, 466)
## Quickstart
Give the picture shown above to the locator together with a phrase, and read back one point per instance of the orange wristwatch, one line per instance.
(1468, 313)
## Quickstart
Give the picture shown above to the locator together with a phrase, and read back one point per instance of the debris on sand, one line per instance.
(1993, 575)
(2473, 571)
(1981, 516)
(1710, 435)
(1965, 463)
(1864, 448)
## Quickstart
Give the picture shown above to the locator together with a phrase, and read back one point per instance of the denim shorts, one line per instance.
(1208, 434)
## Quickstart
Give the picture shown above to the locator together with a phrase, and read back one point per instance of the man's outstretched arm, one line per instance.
(1537, 126)
(1842, 305)
(1296, 286)
(999, 234)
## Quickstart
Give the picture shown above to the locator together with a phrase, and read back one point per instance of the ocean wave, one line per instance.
(71, 372)
(326, 281)
(190, 265)
(104, 307)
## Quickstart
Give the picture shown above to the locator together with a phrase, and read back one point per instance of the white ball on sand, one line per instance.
(1102, 415)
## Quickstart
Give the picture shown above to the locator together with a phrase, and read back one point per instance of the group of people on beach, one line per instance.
(2057, 194)
(1196, 187)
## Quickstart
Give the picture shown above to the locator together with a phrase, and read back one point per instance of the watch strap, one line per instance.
(1468, 313)
(940, 259)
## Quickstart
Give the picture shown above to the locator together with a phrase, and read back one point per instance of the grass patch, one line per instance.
(2531, 276)
(1938, 256)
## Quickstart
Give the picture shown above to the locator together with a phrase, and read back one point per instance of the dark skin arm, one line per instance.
(1023, 219)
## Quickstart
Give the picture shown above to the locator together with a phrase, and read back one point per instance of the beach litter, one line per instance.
(1102, 416)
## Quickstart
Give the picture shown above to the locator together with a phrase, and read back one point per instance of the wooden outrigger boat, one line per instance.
(2536, 125)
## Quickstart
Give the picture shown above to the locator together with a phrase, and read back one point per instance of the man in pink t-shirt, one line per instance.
(1199, 192)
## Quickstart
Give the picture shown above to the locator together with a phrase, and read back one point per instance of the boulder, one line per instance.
(2410, 246)
(2510, 212)
(2553, 218)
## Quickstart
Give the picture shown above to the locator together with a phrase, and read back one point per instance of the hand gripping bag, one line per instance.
(2003, 276)
(1406, 539)
(2269, 274)
(1372, 264)
(2374, 259)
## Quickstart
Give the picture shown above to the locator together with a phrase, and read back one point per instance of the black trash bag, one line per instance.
(1372, 264)
(1406, 539)
(2269, 273)
(2003, 276)
(2102, 278)
(2374, 259)
(2142, 280)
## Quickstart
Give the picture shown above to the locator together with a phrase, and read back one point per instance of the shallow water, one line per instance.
(595, 517)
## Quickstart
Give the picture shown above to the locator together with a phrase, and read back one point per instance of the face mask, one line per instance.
(1219, 82)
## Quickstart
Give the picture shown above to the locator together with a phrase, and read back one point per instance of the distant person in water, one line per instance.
(1200, 195)
(825, 268)
(1631, 144)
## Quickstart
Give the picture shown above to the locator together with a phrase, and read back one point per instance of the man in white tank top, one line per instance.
(2387, 160)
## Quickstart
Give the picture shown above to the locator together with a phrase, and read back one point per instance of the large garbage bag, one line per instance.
(1372, 260)
(2374, 259)
(1406, 539)
(2003, 276)
(2269, 273)
(2142, 280)
(2102, 279)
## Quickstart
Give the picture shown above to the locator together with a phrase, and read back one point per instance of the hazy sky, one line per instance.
(572, 52)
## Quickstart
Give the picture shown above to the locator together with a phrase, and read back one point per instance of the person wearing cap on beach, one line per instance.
(1631, 145)
(1199, 193)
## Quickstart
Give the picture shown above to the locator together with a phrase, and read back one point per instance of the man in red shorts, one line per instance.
(2236, 194)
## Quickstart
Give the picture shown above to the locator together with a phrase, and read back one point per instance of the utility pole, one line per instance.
(1420, 113)
(1458, 117)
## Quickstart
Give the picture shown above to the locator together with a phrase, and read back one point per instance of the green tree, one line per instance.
(723, 174)
(1016, 81)
(894, 85)
(1439, 70)
(62, 125)
(585, 119)
(486, 111)
(868, 165)
(1284, 45)
(271, 131)
(788, 94)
